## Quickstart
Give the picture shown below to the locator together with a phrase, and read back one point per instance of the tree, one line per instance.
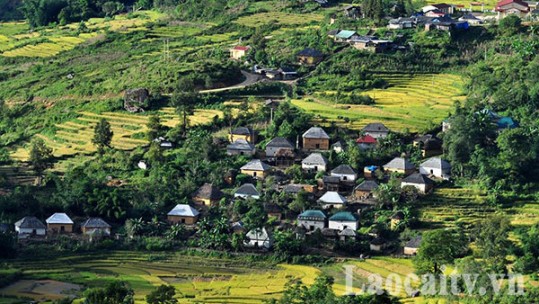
(286, 243)
(102, 135)
(155, 128)
(164, 294)
(117, 292)
(8, 245)
(40, 156)
(510, 25)
(438, 247)
(111, 8)
(492, 240)
(184, 99)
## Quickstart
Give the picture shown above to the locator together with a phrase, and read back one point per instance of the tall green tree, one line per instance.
(438, 247)
(492, 241)
(102, 135)
(40, 156)
(155, 128)
(164, 294)
(184, 99)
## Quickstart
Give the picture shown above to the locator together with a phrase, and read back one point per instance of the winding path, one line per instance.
(250, 79)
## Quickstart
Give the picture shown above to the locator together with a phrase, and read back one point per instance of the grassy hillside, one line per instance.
(414, 102)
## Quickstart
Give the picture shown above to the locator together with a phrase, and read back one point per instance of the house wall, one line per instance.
(308, 60)
(30, 231)
(237, 54)
(315, 144)
(376, 134)
(435, 172)
(329, 206)
(405, 172)
(377, 248)
(312, 224)
(421, 188)
(204, 201)
(258, 244)
(346, 177)
(364, 146)
(234, 137)
(257, 174)
(410, 251)
(270, 151)
(188, 220)
(360, 193)
(247, 196)
(340, 225)
(56, 228)
(86, 230)
(308, 167)
(240, 152)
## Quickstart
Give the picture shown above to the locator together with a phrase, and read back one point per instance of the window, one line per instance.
(344, 178)
(62, 229)
(183, 221)
(431, 171)
(317, 146)
(254, 174)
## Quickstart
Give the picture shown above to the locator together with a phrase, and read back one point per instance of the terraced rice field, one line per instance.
(75, 137)
(17, 41)
(412, 102)
(196, 279)
(281, 18)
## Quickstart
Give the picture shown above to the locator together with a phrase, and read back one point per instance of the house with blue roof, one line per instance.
(345, 36)
(344, 220)
(312, 220)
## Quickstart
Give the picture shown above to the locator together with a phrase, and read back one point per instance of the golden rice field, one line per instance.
(74, 137)
(198, 279)
(412, 102)
(281, 18)
(17, 41)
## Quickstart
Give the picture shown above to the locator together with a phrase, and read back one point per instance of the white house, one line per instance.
(258, 238)
(315, 162)
(344, 173)
(343, 220)
(332, 199)
(30, 225)
(95, 225)
(422, 183)
(247, 191)
(436, 167)
(312, 220)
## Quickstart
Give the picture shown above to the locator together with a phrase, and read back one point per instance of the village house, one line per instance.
(378, 244)
(183, 214)
(247, 191)
(352, 11)
(277, 144)
(330, 183)
(347, 234)
(207, 195)
(273, 211)
(366, 142)
(435, 13)
(342, 220)
(315, 162)
(294, 189)
(505, 8)
(244, 133)
(309, 56)
(258, 238)
(240, 147)
(369, 171)
(95, 225)
(339, 146)
(315, 139)
(239, 51)
(284, 158)
(401, 23)
(412, 246)
(30, 225)
(344, 173)
(345, 36)
(332, 199)
(370, 44)
(471, 19)
(312, 220)
(59, 223)
(422, 183)
(365, 189)
(436, 167)
(396, 219)
(429, 145)
(399, 165)
(288, 73)
(256, 168)
(376, 130)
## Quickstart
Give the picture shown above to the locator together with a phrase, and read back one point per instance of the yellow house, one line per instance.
(309, 56)
(399, 165)
(239, 51)
(242, 133)
(256, 168)
(207, 195)
(59, 223)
